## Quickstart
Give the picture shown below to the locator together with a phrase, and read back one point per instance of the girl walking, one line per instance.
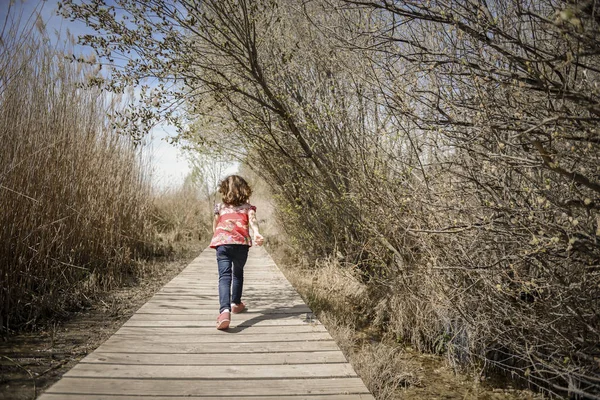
(231, 238)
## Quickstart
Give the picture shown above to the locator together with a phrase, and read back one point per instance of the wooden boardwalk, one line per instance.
(170, 348)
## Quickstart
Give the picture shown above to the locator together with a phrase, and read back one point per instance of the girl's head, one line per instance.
(235, 190)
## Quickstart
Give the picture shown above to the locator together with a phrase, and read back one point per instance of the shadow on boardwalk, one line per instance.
(276, 313)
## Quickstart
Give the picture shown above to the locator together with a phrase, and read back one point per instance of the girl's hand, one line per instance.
(259, 239)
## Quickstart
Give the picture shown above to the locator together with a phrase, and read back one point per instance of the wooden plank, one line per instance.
(63, 396)
(209, 322)
(249, 294)
(316, 357)
(252, 305)
(175, 309)
(249, 290)
(210, 329)
(200, 275)
(199, 321)
(216, 387)
(210, 269)
(251, 286)
(208, 281)
(162, 297)
(237, 347)
(242, 332)
(210, 286)
(170, 348)
(342, 370)
(223, 339)
(304, 317)
(198, 278)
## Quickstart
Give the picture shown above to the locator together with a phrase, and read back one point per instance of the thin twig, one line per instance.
(28, 372)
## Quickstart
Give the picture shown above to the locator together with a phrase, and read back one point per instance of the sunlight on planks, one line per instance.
(170, 348)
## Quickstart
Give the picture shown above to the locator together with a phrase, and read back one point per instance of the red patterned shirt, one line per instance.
(232, 225)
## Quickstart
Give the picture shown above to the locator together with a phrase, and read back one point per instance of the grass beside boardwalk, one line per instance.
(32, 361)
(390, 368)
(78, 215)
(74, 194)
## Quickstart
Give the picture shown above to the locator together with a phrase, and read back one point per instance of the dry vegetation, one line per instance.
(77, 212)
(447, 150)
(389, 367)
(31, 361)
(181, 214)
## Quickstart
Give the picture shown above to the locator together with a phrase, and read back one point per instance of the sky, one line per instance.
(169, 164)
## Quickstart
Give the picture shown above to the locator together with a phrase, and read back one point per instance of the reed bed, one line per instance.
(74, 194)
(181, 214)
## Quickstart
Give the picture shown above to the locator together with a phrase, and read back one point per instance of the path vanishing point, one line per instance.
(171, 350)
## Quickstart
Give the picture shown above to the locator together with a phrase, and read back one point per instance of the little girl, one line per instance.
(232, 241)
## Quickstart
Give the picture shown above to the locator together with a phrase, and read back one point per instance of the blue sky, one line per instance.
(169, 164)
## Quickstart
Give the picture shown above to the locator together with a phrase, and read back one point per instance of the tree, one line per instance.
(505, 94)
(447, 148)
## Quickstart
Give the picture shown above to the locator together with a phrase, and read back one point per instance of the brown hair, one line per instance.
(235, 190)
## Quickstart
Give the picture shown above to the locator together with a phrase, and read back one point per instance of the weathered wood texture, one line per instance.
(170, 348)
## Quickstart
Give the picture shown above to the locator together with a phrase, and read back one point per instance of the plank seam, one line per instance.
(242, 352)
(215, 365)
(156, 378)
(224, 352)
(184, 396)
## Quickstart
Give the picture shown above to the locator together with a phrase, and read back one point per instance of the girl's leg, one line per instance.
(224, 263)
(239, 256)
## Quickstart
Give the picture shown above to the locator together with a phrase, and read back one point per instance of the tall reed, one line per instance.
(182, 214)
(74, 194)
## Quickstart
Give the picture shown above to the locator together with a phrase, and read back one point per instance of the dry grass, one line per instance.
(341, 301)
(181, 215)
(363, 326)
(74, 194)
(383, 367)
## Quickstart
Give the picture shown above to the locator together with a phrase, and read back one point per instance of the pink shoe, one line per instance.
(238, 308)
(223, 321)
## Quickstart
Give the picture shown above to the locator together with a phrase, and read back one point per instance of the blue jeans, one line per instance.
(231, 258)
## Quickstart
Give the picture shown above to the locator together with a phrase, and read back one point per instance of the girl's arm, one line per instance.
(215, 220)
(258, 238)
